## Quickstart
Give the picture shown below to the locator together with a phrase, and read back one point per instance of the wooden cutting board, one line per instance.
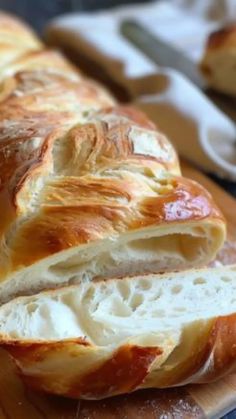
(196, 401)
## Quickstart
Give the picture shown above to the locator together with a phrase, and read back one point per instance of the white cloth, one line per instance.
(199, 130)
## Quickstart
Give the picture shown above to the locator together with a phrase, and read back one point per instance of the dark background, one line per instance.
(38, 12)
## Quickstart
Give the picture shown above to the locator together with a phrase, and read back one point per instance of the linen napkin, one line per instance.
(199, 130)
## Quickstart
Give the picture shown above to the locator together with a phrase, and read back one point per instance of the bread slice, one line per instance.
(109, 337)
(219, 62)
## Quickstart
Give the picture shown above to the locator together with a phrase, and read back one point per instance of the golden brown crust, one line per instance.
(97, 213)
(122, 373)
(88, 203)
(76, 169)
(222, 38)
(210, 355)
(32, 115)
(129, 113)
(223, 343)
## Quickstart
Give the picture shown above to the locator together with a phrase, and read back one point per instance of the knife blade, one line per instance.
(160, 52)
(166, 55)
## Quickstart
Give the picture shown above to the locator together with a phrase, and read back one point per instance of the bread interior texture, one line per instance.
(139, 252)
(108, 313)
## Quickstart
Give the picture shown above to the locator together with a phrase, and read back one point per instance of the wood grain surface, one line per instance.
(190, 402)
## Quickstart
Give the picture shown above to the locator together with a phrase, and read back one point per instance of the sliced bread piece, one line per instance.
(109, 337)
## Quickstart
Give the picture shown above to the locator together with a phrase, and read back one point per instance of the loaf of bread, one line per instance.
(104, 338)
(91, 193)
(88, 188)
(218, 65)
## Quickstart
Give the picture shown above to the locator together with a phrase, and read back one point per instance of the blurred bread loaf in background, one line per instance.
(218, 65)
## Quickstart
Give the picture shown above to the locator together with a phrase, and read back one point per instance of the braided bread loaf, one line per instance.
(91, 190)
(88, 188)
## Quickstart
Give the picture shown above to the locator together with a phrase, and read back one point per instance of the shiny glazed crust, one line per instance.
(77, 169)
(211, 355)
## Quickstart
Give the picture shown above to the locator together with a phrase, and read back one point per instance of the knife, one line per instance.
(165, 55)
(160, 52)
